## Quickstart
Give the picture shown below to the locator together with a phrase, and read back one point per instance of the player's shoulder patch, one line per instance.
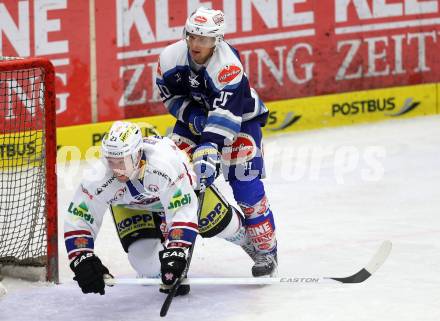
(228, 73)
(225, 68)
(172, 56)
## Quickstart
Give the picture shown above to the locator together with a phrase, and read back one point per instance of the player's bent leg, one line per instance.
(142, 241)
(236, 234)
(259, 225)
(143, 257)
(219, 218)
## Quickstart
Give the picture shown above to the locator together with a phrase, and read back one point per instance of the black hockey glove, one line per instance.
(89, 272)
(172, 264)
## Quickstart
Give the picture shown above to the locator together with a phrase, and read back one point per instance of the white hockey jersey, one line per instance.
(165, 183)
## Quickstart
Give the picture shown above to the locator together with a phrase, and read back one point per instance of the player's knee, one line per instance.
(143, 256)
(235, 231)
(251, 197)
(248, 192)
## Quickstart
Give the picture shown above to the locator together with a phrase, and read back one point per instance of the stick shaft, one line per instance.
(169, 299)
(228, 281)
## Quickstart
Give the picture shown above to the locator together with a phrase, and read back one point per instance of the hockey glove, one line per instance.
(89, 272)
(172, 264)
(183, 289)
(206, 160)
(196, 123)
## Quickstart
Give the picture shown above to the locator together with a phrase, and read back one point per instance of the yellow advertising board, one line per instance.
(21, 149)
(438, 95)
(82, 142)
(351, 108)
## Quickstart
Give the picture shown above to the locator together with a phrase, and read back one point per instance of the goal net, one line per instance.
(28, 198)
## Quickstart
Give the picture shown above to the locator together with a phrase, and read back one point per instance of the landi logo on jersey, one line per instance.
(81, 211)
(242, 149)
(200, 19)
(228, 73)
(179, 200)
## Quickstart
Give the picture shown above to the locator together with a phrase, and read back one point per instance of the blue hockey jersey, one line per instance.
(219, 89)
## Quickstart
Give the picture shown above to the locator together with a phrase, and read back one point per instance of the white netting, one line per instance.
(22, 168)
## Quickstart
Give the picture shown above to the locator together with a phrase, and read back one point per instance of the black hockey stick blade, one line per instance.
(374, 264)
(166, 304)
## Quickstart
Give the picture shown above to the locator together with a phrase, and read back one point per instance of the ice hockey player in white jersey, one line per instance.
(148, 186)
(219, 119)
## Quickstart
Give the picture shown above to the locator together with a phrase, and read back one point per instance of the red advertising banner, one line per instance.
(57, 30)
(289, 48)
(128, 54)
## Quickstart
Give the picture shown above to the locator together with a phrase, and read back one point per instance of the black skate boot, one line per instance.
(266, 264)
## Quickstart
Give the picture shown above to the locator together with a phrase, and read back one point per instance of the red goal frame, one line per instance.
(14, 64)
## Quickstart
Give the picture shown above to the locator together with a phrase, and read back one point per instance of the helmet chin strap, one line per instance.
(136, 159)
(135, 162)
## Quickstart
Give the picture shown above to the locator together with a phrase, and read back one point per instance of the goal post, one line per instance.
(28, 187)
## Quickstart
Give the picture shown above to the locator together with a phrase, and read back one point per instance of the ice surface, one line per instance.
(336, 194)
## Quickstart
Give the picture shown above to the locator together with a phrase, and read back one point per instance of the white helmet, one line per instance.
(206, 22)
(123, 139)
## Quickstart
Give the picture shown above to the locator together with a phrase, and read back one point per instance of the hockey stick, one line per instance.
(375, 263)
(166, 304)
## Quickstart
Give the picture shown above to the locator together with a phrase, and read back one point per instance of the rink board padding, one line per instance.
(352, 108)
(21, 149)
(83, 142)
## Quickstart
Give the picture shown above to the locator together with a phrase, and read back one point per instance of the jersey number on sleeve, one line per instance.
(164, 92)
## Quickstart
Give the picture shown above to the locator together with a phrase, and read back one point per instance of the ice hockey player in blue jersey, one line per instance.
(219, 119)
